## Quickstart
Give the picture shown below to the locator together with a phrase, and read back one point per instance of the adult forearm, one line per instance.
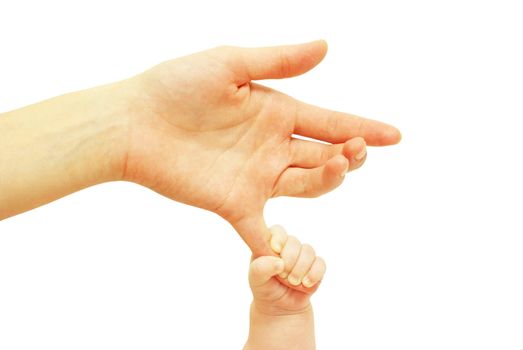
(61, 145)
(282, 332)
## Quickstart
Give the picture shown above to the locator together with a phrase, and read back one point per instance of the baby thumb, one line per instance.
(263, 268)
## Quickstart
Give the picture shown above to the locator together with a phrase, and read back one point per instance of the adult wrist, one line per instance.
(62, 145)
(112, 110)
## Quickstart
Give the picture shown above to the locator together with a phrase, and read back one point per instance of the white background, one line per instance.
(424, 244)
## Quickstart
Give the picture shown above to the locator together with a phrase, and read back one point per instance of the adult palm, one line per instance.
(204, 134)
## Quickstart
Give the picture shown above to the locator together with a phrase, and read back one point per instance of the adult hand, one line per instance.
(203, 133)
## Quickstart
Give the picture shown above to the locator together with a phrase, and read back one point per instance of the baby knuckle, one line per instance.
(293, 240)
(308, 249)
(256, 269)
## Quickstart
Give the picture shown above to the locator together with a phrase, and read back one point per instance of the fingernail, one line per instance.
(307, 282)
(283, 275)
(345, 170)
(278, 265)
(294, 281)
(276, 246)
(361, 155)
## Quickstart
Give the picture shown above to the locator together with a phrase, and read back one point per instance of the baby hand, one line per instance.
(298, 263)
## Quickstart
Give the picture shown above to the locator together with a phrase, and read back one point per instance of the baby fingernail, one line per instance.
(307, 282)
(283, 275)
(361, 155)
(294, 281)
(276, 246)
(345, 170)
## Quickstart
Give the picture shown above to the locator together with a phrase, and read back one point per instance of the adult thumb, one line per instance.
(277, 62)
(254, 231)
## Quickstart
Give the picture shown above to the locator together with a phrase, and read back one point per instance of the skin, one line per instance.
(196, 129)
(281, 317)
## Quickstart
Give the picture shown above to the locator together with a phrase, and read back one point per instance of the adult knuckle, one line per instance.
(285, 63)
(333, 123)
(324, 153)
